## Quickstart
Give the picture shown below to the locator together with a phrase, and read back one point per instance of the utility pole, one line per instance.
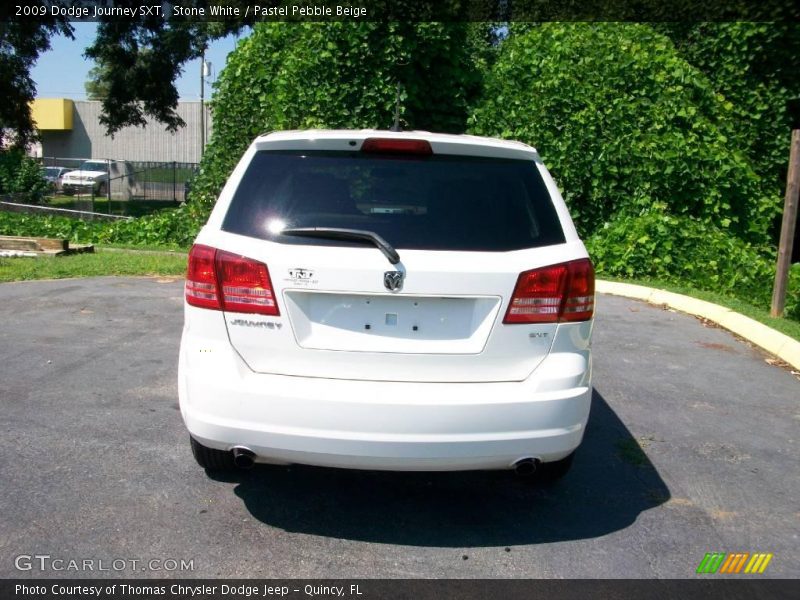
(789, 215)
(203, 73)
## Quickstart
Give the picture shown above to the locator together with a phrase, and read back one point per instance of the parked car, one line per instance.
(94, 175)
(381, 300)
(54, 176)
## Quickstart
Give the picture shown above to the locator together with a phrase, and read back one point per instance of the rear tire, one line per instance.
(210, 458)
(551, 472)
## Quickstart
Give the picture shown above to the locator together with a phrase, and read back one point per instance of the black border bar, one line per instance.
(711, 588)
(252, 11)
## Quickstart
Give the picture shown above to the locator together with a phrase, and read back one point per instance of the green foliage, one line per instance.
(175, 228)
(21, 43)
(96, 84)
(21, 175)
(623, 121)
(138, 62)
(678, 249)
(339, 75)
(754, 65)
(792, 309)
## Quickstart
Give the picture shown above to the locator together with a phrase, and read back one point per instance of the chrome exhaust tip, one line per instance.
(526, 467)
(243, 458)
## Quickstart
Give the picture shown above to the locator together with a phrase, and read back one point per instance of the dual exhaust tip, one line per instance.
(243, 458)
(526, 467)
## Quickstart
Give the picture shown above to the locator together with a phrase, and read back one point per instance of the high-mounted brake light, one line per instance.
(396, 146)
(222, 280)
(558, 293)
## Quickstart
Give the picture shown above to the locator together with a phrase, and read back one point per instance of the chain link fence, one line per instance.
(114, 187)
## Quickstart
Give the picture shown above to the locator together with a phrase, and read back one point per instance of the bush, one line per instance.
(678, 249)
(42, 226)
(22, 176)
(175, 227)
(339, 75)
(792, 310)
(754, 66)
(623, 121)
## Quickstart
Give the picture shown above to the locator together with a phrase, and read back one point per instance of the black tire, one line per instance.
(211, 459)
(68, 191)
(551, 472)
(101, 188)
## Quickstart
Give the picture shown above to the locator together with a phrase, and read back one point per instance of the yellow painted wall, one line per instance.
(52, 114)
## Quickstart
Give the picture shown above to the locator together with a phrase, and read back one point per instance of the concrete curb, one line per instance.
(774, 342)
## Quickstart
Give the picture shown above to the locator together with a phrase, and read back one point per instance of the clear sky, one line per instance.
(61, 72)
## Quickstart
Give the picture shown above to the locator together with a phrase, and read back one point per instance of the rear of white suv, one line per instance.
(381, 300)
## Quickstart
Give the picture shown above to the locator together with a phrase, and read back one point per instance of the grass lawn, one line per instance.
(101, 262)
(785, 326)
(165, 175)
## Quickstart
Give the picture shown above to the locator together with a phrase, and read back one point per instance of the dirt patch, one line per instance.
(723, 515)
(723, 452)
(717, 346)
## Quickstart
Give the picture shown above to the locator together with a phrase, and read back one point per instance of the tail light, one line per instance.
(222, 280)
(396, 146)
(553, 294)
(201, 280)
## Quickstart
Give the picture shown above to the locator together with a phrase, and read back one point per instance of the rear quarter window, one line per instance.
(437, 202)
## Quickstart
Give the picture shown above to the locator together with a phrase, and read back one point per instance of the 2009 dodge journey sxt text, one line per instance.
(382, 300)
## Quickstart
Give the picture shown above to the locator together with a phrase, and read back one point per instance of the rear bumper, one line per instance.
(379, 424)
(79, 187)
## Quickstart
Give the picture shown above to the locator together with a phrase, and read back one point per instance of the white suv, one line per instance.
(94, 176)
(381, 300)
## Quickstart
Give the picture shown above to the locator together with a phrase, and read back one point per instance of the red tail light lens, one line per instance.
(245, 284)
(201, 280)
(222, 280)
(563, 292)
(579, 303)
(396, 146)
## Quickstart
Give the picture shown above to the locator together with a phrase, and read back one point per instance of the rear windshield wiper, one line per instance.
(358, 235)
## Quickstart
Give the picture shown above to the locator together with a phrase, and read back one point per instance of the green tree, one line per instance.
(141, 59)
(340, 75)
(21, 175)
(21, 43)
(142, 56)
(624, 121)
(145, 54)
(96, 84)
(755, 66)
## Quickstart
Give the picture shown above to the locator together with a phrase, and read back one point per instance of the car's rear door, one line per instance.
(465, 227)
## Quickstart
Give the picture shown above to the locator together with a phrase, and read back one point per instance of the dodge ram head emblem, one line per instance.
(393, 280)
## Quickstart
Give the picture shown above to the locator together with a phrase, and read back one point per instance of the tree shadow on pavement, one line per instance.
(610, 483)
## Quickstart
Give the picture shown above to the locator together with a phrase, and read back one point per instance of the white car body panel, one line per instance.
(315, 385)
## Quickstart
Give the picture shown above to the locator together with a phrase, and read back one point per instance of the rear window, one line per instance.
(437, 202)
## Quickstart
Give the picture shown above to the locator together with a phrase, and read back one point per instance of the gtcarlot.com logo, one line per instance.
(46, 562)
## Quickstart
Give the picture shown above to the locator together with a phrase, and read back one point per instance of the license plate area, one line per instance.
(396, 323)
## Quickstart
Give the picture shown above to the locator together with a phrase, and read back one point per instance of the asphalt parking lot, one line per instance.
(692, 447)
